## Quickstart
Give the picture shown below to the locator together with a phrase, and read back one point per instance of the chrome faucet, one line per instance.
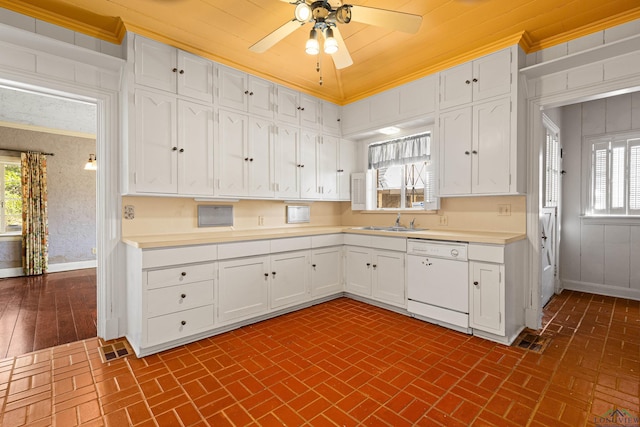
(411, 223)
(397, 224)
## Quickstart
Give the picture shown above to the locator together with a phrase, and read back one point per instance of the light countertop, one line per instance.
(169, 240)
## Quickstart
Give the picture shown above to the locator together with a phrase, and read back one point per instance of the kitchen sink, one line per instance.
(392, 229)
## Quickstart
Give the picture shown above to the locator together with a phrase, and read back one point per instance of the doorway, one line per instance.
(59, 307)
(550, 208)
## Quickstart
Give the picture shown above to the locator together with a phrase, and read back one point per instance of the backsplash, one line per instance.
(165, 215)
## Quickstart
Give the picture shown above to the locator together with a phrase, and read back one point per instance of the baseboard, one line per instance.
(596, 288)
(53, 268)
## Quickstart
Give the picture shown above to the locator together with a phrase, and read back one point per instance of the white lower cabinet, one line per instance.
(243, 288)
(486, 311)
(496, 291)
(326, 271)
(376, 273)
(290, 278)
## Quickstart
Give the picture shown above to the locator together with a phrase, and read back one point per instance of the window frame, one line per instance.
(429, 204)
(608, 143)
(4, 161)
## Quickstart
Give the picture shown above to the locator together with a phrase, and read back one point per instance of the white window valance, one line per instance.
(401, 151)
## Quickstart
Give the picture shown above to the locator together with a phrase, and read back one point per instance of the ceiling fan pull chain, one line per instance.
(319, 68)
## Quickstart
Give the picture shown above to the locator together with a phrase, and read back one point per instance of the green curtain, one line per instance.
(35, 223)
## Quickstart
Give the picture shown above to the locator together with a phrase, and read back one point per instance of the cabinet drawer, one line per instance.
(178, 325)
(390, 243)
(290, 244)
(488, 253)
(152, 258)
(179, 275)
(176, 298)
(327, 240)
(244, 249)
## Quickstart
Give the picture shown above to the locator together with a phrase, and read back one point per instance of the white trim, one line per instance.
(600, 289)
(105, 93)
(11, 272)
(535, 105)
(610, 220)
(69, 266)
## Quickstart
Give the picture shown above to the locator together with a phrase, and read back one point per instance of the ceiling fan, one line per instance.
(325, 19)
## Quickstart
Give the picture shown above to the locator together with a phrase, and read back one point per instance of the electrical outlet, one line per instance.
(444, 220)
(93, 251)
(129, 212)
(260, 220)
(504, 210)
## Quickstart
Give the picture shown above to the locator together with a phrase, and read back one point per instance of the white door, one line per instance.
(492, 75)
(347, 161)
(550, 196)
(288, 109)
(289, 278)
(331, 118)
(388, 277)
(232, 88)
(455, 152)
(195, 149)
(326, 271)
(155, 64)
(358, 270)
(156, 143)
(328, 167)
(286, 162)
(487, 297)
(232, 157)
(455, 86)
(260, 97)
(243, 290)
(309, 188)
(490, 166)
(260, 152)
(195, 76)
(309, 112)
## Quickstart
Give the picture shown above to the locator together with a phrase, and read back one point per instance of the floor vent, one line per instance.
(115, 350)
(530, 341)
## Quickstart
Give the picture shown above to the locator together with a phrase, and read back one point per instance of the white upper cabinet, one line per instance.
(166, 68)
(346, 166)
(298, 109)
(309, 187)
(244, 92)
(328, 167)
(331, 118)
(483, 78)
(173, 145)
(475, 149)
(244, 156)
(417, 99)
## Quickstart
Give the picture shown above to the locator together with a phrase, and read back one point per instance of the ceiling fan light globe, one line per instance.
(302, 12)
(312, 47)
(343, 14)
(330, 43)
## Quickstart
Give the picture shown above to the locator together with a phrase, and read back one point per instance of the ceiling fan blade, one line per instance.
(267, 42)
(342, 58)
(398, 21)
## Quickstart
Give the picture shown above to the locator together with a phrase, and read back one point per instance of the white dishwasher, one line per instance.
(438, 282)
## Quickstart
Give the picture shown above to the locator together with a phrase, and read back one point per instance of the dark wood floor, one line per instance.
(44, 311)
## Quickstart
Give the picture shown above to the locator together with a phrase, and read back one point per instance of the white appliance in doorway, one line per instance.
(438, 283)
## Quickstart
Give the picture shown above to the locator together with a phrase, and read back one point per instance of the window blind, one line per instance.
(401, 151)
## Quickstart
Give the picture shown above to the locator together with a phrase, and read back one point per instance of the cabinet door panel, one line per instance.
(260, 158)
(326, 271)
(260, 94)
(195, 77)
(309, 112)
(388, 277)
(487, 297)
(309, 188)
(455, 152)
(289, 279)
(288, 106)
(492, 74)
(492, 142)
(156, 143)
(331, 118)
(385, 107)
(286, 162)
(243, 288)
(154, 64)
(231, 171)
(195, 149)
(418, 97)
(454, 89)
(328, 167)
(358, 271)
(232, 85)
(347, 159)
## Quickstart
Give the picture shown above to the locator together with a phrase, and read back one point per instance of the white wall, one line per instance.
(596, 255)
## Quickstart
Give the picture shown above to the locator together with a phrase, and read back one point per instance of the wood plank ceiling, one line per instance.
(452, 31)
